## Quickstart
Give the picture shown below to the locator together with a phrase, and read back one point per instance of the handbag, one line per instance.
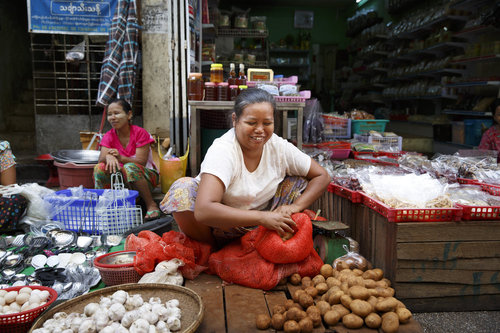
(12, 208)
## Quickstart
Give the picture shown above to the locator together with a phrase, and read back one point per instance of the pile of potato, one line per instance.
(350, 296)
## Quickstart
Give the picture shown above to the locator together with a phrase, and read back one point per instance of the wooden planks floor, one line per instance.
(232, 308)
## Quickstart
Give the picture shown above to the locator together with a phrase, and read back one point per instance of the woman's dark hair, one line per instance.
(252, 96)
(123, 103)
(494, 106)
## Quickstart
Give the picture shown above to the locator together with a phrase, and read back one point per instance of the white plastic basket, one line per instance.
(386, 143)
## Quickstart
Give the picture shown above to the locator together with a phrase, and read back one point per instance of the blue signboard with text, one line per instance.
(84, 17)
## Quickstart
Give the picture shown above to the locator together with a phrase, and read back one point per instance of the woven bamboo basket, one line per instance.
(190, 303)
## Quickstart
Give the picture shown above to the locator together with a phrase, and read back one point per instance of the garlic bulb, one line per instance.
(173, 303)
(173, 323)
(161, 311)
(41, 330)
(67, 330)
(129, 318)
(110, 329)
(155, 300)
(120, 296)
(116, 312)
(161, 327)
(105, 302)
(76, 323)
(133, 302)
(121, 329)
(60, 315)
(101, 319)
(151, 317)
(140, 326)
(152, 329)
(90, 309)
(87, 326)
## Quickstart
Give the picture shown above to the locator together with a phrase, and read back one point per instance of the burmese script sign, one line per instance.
(86, 17)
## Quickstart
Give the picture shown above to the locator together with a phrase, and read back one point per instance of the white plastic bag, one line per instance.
(165, 272)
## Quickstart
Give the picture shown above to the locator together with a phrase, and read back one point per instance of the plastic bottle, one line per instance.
(232, 75)
(216, 73)
(222, 90)
(210, 91)
(195, 87)
(242, 79)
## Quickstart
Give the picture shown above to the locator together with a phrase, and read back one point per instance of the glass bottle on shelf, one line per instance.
(216, 73)
(233, 92)
(222, 88)
(195, 87)
(232, 75)
(242, 79)
(210, 91)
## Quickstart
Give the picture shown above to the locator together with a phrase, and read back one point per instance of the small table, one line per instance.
(195, 156)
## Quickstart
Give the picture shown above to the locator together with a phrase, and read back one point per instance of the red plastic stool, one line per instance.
(53, 180)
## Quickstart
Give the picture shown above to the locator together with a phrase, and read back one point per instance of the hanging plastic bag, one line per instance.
(171, 169)
(77, 53)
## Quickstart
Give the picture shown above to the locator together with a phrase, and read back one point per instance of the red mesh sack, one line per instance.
(133, 242)
(152, 249)
(271, 247)
(239, 262)
(194, 254)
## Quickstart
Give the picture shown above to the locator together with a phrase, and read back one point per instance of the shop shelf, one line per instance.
(474, 84)
(467, 113)
(481, 213)
(344, 192)
(412, 214)
(491, 57)
(250, 33)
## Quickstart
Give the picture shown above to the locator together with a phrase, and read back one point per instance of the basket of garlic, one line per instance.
(132, 308)
(21, 305)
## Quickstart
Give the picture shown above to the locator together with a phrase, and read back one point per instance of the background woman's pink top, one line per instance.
(138, 137)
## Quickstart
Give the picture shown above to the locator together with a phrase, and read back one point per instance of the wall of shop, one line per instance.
(15, 60)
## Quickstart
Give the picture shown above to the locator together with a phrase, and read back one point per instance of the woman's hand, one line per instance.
(279, 222)
(112, 163)
(287, 209)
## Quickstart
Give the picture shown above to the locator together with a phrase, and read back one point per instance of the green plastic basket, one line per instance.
(366, 125)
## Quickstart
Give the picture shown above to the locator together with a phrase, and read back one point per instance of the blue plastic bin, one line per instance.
(474, 129)
(80, 215)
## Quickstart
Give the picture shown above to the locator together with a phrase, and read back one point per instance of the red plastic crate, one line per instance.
(467, 181)
(412, 214)
(344, 192)
(481, 213)
(490, 188)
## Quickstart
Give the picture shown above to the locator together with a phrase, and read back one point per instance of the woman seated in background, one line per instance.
(126, 148)
(242, 171)
(7, 164)
(491, 138)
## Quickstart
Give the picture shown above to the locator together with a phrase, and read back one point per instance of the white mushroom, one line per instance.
(26, 290)
(87, 326)
(10, 297)
(44, 295)
(116, 312)
(140, 326)
(22, 298)
(120, 296)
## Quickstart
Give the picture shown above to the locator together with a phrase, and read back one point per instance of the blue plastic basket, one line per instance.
(80, 214)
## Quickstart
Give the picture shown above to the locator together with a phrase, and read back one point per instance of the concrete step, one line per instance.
(32, 173)
(20, 141)
(21, 123)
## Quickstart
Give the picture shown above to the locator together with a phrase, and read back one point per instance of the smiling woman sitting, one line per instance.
(249, 177)
(126, 148)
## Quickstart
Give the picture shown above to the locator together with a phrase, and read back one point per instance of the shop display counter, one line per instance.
(434, 266)
(196, 106)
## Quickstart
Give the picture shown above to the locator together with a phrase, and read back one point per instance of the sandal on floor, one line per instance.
(150, 215)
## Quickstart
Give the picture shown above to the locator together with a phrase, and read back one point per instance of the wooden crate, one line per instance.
(434, 266)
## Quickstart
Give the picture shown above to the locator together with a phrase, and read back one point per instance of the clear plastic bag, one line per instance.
(313, 122)
(77, 53)
(351, 260)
